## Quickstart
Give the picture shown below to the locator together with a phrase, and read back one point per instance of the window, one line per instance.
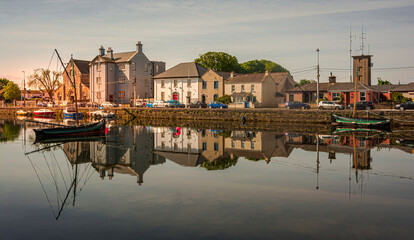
(98, 80)
(189, 147)
(291, 97)
(121, 94)
(362, 96)
(98, 68)
(242, 88)
(133, 66)
(175, 83)
(216, 146)
(156, 68)
(204, 146)
(162, 83)
(188, 82)
(233, 143)
(252, 145)
(321, 95)
(175, 146)
(254, 99)
(215, 97)
(242, 144)
(146, 67)
(162, 96)
(233, 88)
(98, 95)
(204, 85)
(121, 67)
(252, 88)
(335, 96)
(163, 134)
(162, 145)
(121, 80)
(146, 82)
(216, 84)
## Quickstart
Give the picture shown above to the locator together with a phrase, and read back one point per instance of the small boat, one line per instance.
(359, 121)
(359, 130)
(22, 113)
(67, 131)
(102, 114)
(70, 112)
(43, 113)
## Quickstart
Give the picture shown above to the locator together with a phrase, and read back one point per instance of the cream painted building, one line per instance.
(212, 85)
(180, 83)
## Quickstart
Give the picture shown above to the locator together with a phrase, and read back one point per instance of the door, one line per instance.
(175, 96)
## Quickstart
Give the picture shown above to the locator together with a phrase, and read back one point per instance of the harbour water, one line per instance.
(183, 183)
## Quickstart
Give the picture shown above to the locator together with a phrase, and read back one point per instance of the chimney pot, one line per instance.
(232, 74)
(110, 53)
(139, 47)
(101, 51)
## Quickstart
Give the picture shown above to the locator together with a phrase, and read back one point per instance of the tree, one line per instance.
(305, 81)
(226, 99)
(12, 91)
(219, 61)
(3, 82)
(260, 66)
(383, 82)
(220, 164)
(398, 97)
(45, 80)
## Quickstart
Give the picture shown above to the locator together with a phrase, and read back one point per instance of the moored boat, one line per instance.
(102, 114)
(43, 113)
(22, 113)
(70, 112)
(82, 130)
(360, 121)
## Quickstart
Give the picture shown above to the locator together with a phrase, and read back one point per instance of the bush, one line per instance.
(226, 99)
(398, 97)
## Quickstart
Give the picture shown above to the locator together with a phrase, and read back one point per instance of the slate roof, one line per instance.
(404, 88)
(188, 69)
(247, 78)
(331, 87)
(121, 57)
(82, 65)
(183, 159)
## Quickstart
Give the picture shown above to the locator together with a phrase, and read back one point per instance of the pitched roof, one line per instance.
(121, 57)
(404, 88)
(188, 69)
(247, 78)
(225, 75)
(82, 65)
(324, 87)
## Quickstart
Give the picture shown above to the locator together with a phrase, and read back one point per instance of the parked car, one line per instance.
(139, 103)
(149, 104)
(198, 104)
(81, 104)
(403, 106)
(108, 104)
(362, 106)
(41, 104)
(216, 104)
(298, 105)
(92, 104)
(175, 104)
(50, 104)
(160, 104)
(330, 105)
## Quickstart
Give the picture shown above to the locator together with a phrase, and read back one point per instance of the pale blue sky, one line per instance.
(286, 32)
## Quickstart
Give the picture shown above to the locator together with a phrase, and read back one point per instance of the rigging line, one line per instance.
(60, 170)
(44, 190)
(309, 70)
(53, 177)
(50, 62)
(87, 178)
(297, 69)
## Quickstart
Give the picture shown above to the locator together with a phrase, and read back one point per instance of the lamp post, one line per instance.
(317, 85)
(24, 88)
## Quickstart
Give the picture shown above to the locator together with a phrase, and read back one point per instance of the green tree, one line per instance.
(45, 80)
(383, 82)
(219, 61)
(221, 164)
(398, 97)
(9, 131)
(226, 99)
(305, 81)
(3, 82)
(260, 66)
(12, 91)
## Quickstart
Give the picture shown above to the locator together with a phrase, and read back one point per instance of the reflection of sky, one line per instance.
(249, 200)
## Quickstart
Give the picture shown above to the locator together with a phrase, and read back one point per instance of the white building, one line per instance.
(122, 77)
(181, 82)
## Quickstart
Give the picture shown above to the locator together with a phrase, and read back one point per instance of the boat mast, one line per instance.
(355, 93)
(74, 88)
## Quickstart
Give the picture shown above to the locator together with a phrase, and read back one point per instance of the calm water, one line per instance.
(167, 183)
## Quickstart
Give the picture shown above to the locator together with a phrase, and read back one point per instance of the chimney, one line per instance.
(101, 51)
(110, 53)
(232, 74)
(139, 47)
(332, 79)
(267, 73)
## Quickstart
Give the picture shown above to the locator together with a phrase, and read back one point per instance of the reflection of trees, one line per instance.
(220, 164)
(225, 134)
(9, 132)
(255, 159)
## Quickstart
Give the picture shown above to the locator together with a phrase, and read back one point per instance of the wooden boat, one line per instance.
(22, 113)
(43, 113)
(68, 131)
(359, 121)
(338, 130)
(70, 112)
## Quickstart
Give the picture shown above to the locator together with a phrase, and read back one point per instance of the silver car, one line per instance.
(330, 105)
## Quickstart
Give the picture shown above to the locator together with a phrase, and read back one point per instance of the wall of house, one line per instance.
(182, 88)
(186, 142)
(65, 91)
(210, 77)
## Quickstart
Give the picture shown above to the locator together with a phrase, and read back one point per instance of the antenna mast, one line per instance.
(350, 52)
(362, 39)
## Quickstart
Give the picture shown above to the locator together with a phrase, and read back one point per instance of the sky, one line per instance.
(175, 31)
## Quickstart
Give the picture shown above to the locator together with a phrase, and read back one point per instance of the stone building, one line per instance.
(363, 65)
(65, 92)
(212, 85)
(122, 77)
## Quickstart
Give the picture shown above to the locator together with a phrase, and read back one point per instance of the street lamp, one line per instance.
(317, 85)
(24, 88)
